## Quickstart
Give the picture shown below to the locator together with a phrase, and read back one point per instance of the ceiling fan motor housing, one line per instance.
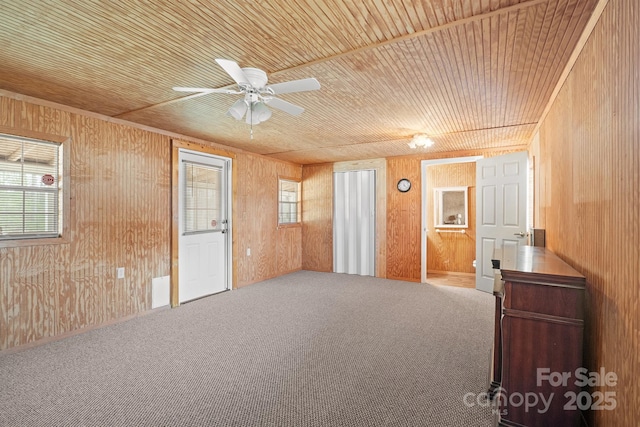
(257, 77)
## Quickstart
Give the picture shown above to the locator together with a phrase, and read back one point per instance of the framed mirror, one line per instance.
(451, 207)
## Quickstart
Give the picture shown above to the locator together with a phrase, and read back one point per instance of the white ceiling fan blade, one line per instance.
(285, 106)
(295, 86)
(233, 69)
(205, 90)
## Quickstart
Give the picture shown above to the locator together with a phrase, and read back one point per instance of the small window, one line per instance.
(289, 211)
(203, 197)
(30, 195)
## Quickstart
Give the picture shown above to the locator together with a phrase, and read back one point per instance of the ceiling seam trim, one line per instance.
(432, 30)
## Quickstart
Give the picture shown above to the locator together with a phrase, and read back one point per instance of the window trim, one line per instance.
(65, 143)
(298, 223)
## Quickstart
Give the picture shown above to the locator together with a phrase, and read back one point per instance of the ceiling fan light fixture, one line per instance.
(257, 113)
(238, 109)
(252, 83)
(262, 112)
(420, 140)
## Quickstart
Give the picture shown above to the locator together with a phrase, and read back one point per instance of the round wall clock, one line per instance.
(404, 185)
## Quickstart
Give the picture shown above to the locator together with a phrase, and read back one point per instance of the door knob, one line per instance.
(520, 234)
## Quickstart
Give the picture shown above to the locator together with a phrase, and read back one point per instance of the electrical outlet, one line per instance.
(120, 272)
(248, 251)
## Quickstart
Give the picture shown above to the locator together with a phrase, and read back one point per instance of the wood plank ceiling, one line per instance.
(469, 73)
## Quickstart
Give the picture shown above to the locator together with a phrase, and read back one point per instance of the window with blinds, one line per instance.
(203, 198)
(289, 211)
(30, 186)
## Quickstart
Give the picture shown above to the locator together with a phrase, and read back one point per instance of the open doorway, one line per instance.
(451, 235)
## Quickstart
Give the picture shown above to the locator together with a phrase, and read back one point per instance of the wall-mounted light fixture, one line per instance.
(420, 140)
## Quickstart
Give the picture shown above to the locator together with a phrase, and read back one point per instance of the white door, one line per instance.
(354, 222)
(501, 185)
(203, 249)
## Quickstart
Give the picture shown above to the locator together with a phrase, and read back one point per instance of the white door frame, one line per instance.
(425, 205)
(178, 146)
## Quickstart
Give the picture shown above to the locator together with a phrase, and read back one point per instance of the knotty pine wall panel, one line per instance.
(451, 252)
(317, 217)
(588, 185)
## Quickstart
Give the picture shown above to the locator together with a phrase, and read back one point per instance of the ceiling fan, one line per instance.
(252, 82)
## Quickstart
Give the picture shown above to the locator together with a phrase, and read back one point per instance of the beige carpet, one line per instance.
(305, 349)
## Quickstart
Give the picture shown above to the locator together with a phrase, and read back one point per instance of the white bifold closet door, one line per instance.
(354, 222)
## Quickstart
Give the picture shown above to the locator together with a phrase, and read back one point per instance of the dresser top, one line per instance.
(540, 265)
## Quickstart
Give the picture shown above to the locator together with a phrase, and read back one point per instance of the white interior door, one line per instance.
(501, 185)
(354, 222)
(203, 249)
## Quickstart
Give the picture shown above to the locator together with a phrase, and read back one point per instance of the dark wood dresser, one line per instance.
(539, 340)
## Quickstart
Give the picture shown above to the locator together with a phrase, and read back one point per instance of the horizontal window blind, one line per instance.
(288, 202)
(29, 188)
(202, 197)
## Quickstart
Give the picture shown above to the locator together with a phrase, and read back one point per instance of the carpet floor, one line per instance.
(306, 349)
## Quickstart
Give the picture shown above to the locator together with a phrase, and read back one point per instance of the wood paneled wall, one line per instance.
(451, 252)
(120, 216)
(403, 219)
(317, 217)
(588, 197)
(404, 211)
(402, 216)
(380, 168)
(274, 250)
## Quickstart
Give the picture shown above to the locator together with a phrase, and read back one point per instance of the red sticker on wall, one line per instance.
(48, 179)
